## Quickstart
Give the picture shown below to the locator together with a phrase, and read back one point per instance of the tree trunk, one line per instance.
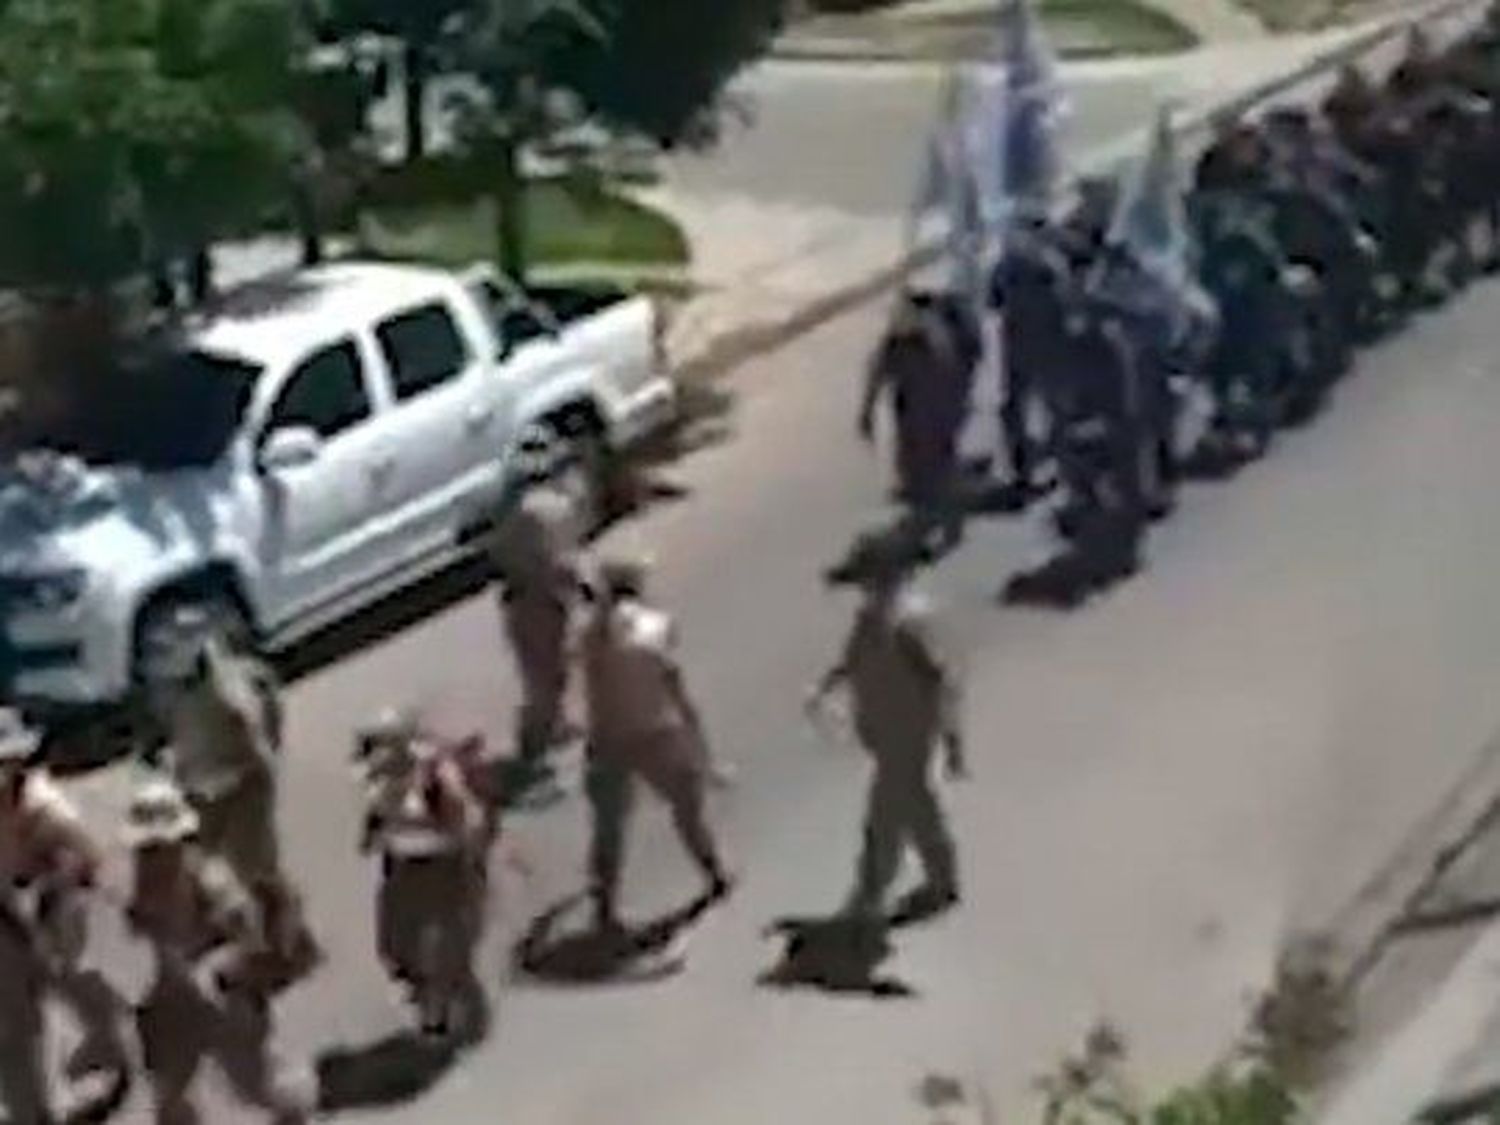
(309, 223)
(414, 86)
(510, 210)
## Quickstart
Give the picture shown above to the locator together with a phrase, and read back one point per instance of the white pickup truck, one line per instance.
(306, 447)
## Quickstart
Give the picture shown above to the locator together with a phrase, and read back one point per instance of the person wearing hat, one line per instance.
(49, 864)
(643, 726)
(431, 834)
(207, 999)
(535, 551)
(905, 704)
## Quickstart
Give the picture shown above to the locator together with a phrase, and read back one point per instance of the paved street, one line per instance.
(1168, 783)
(849, 135)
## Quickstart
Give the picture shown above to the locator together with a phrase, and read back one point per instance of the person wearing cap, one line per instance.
(643, 726)
(209, 998)
(927, 372)
(431, 833)
(49, 864)
(905, 704)
(535, 552)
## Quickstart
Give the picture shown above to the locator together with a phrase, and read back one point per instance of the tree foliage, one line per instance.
(425, 31)
(661, 66)
(130, 129)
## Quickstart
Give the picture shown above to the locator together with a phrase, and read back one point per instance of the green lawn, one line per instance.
(1084, 27)
(566, 225)
(1077, 28)
(1302, 15)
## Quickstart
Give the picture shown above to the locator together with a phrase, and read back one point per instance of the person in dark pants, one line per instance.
(1098, 439)
(1243, 270)
(927, 371)
(905, 702)
(1027, 293)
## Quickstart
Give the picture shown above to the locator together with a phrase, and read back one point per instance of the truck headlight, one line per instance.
(53, 590)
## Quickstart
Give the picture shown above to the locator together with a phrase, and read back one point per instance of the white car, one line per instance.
(310, 445)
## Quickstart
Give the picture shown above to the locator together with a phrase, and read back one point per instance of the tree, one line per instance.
(134, 130)
(661, 67)
(653, 68)
(422, 28)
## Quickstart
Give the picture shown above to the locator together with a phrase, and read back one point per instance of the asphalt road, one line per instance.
(1168, 783)
(850, 135)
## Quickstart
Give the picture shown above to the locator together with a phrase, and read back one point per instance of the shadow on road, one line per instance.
(838, 955)
(392, 1071)
(645, 952)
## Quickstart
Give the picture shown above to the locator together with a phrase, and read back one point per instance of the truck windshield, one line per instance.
(167, 409)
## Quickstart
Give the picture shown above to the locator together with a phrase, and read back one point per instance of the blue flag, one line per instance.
(1028, 111)
(950, 189)
(1150, 231)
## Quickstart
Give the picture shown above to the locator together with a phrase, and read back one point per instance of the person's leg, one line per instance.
(611, 795)
(684, 794)
(1019, 452)
(172, 1036)
(240, 1043)
(933, 841)
(880, 857)
(23, 1071)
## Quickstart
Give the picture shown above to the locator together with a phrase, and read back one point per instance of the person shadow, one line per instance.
(641, 953)
(842, 954)
(392, 1071)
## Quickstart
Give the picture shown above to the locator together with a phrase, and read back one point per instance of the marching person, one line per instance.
(215, 975)
(535, 550)
(643, 728)
(927, 372)
(1027, 294)
(1098, 439)
(431, 832)
(905, 703)
(222, 712)
(49, 866)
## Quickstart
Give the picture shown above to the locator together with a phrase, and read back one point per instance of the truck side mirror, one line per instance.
(292, 447)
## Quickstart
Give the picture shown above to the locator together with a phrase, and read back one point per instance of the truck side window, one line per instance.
(326, 392)
(513, 320)
(423, 349)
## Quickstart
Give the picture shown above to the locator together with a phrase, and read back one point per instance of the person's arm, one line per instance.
(876, 378)
(834, 677)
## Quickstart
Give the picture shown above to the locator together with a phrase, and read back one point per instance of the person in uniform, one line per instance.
(222, 711)
(643, 727)
(928, 373)
(213, 983)
(1099, 442)
(1243, 269)
(431, 833)
(49, 865)
(536, 551)
(1027, 294)
(905, 704)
